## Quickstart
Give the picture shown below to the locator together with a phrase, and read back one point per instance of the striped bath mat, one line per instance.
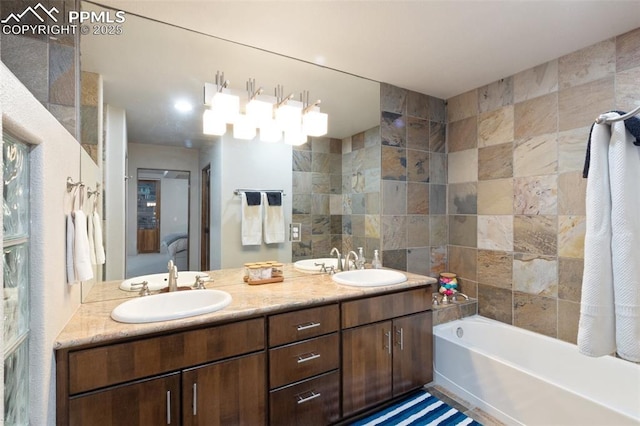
(420, 409)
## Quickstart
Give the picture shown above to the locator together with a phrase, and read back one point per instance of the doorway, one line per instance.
(162, 222)
(205, 239)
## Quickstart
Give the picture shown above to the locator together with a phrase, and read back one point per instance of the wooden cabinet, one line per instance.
(389, 357)
(304, 362)
(147, 402)
(218, 373)
(313, 366)
(230, 392)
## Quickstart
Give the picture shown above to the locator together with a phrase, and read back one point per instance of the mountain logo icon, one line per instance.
(34, 11)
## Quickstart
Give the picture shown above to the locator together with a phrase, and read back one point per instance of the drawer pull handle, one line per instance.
(308, 326)
(195, 399)
(400, 333)
(387, 341)
(312, 395)
(168, 407)
(307, 357)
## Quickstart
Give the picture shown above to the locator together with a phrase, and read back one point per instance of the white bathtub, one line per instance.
(521, 377)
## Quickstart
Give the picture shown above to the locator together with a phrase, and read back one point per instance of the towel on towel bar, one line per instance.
(71, 269)
(633, 126)
(81, 256)
(251, 226)
(610, 306)
(273, 218)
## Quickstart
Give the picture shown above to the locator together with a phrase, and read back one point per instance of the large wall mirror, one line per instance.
(145, 143)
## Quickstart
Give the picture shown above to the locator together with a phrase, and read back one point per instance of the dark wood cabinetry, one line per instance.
(217, 372)
(304, 362)
(313, 366)
(148, 402)
(388, 357)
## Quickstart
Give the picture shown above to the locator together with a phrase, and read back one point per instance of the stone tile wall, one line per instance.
(413, 224)
(47, 65)
(516, 196)
(317, 197)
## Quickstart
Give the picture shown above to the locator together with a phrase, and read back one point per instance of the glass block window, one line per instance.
(15, 259)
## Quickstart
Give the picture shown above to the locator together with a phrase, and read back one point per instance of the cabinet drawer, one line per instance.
(312, 402)
(298, 361)
(121, 362)
(303, 324)
(380, 308)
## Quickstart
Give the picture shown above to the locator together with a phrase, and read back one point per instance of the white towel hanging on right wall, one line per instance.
(610, 305)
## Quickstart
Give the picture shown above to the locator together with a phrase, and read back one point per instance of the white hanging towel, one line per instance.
(273, 217)
(71, 274)
(81, 257)
(251, 227)
(97, 239)
(610, 307)
(90, 235)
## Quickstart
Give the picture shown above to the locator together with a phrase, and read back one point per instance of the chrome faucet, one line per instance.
(335, 250)
(346, 259)
(173, 276)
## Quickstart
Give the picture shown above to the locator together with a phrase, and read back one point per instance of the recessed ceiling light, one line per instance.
(183, 106)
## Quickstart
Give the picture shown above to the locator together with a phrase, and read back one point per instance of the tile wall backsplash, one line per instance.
(47, 66)
(414, 177)
(516, 195)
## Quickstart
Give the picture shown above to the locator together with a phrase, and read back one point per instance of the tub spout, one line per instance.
(454, 298)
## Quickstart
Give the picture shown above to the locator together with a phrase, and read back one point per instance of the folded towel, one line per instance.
(610, 306)
(273, 218)
(274, 198)
(71, 274)
(253, 198)
(97, 238)
(251, 227)
(81, 256)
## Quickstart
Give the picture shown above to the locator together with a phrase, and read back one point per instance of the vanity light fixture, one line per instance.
(272, 115)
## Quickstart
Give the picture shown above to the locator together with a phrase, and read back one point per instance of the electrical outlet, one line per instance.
(295, 232)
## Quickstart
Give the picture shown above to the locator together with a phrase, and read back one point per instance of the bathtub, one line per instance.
(525, 378)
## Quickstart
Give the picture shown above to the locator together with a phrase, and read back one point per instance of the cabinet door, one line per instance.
(366, 366)
(149, 402)
(231, 392)
(412, 353)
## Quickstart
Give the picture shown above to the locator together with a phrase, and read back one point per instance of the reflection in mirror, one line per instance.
(140, 76)
(162, 225)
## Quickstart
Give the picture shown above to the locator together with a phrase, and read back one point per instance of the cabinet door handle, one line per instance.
(387, 341)
(195, 399)
(400, 333)
(312, 395)
(308, 326)
(307, 357)
(168, 407)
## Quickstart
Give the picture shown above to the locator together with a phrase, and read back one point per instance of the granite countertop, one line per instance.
(92, 321)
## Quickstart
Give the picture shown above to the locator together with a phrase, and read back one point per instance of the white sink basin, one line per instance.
(160, 281)
(169, 306)
(369, 277)
(315, 265)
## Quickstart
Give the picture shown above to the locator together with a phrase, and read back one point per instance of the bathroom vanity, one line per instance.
(304, 351)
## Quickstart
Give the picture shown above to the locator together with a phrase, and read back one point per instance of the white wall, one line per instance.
(115, 190)
(142, 156)
(55, 156)
(250, 165)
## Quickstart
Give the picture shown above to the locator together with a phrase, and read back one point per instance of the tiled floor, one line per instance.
(461, 405)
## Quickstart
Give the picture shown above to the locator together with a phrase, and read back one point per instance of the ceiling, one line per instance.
(441, 48)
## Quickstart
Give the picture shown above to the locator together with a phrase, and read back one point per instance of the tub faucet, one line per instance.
(173, 277)
(335, 250)
(347, 257)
